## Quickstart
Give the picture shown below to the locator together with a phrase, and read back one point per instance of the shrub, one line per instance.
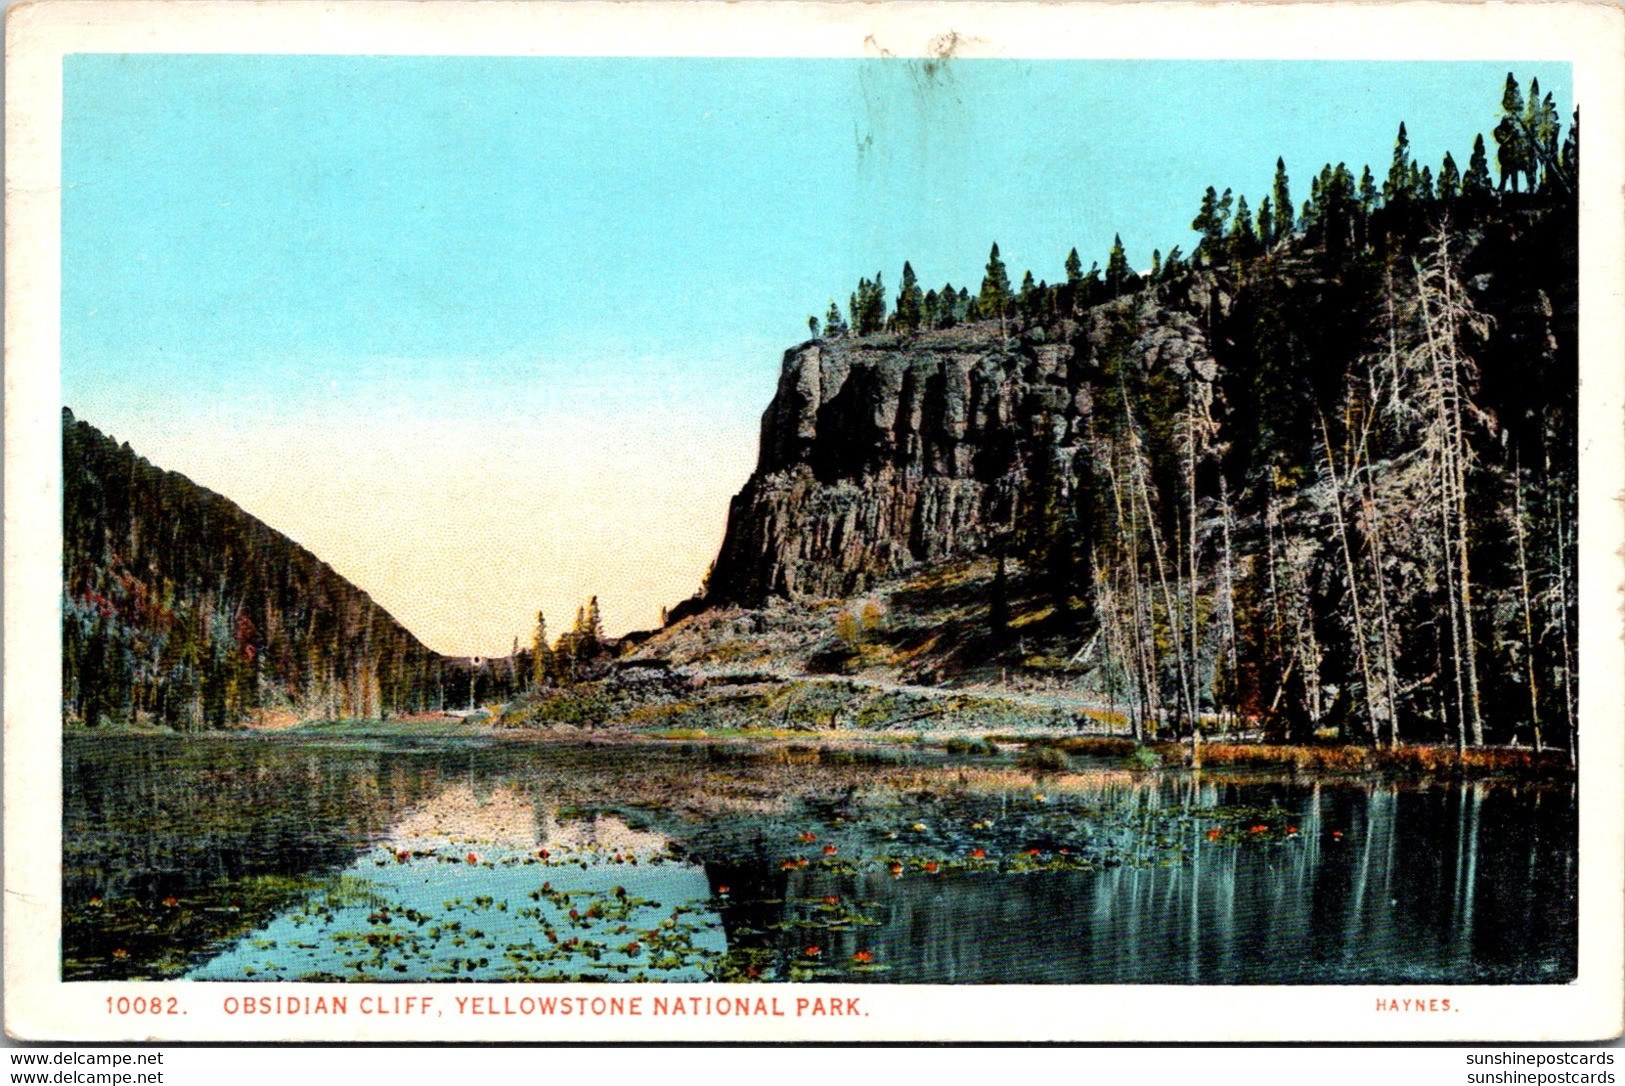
(1043, 759)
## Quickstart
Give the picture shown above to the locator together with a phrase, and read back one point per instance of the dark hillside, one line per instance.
(179, 608)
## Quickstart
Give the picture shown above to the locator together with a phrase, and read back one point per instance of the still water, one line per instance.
(264, 858)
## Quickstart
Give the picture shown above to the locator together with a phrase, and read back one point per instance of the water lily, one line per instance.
(473, 857)
(1214, 834)
(95, 902)
(862, 957)
(809, 838)
(830, 850)
(813, 951)
(171, 902)
(121, 953)
(918, 827)
(832, 899)
(1033, 852)
(896, 870)
(930, 867)
(723, 890)
(542, 854)
(978, 853)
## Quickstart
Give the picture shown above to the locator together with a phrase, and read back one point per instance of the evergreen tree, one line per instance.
(910, 307)
(812, 326)
(1027, 298)
(868, 306)
(834, 324)
(1476, 183)
(1398, 187)
(1368, 191)
(1449, 179)
(1117, 269)
(1570, 155)
(1156, 265)
(1212, 222)
(995, 297)
(1282, 205)
(1511, 152)
(1074, 268)
(1243, 238)
(541, 662)
(1266, 222)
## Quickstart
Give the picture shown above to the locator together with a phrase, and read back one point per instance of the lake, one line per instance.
(293, 857)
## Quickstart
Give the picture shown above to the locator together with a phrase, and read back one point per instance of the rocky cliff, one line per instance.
(881, 453)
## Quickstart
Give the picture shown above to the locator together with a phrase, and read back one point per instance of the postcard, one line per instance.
(816, 522)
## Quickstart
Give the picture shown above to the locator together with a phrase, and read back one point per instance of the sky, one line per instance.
(493, 335)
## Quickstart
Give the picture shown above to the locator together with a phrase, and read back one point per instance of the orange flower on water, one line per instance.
(1214, 834)
(121, 953)
(809, 838)
(813, 951)
(170, 902)
(1033, 852)
(830, 850)
(801, 861)
(1337, 834)
(722, 889)
(96, 901)
(832, 899)
(978, 853)
(1292, 831)
(401, 855)
(542, 854)
(1258, 829)
(896, 870)
(473, 857)
(930, 867)
(863, 956)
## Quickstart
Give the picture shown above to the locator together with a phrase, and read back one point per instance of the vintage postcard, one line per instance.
(778, 521)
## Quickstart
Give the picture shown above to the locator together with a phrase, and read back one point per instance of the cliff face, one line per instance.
(882, 453)
(179, 608)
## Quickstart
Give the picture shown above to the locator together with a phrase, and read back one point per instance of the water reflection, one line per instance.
(297, 859)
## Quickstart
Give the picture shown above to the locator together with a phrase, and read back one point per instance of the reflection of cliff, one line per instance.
(1415, 889)
(180, 608)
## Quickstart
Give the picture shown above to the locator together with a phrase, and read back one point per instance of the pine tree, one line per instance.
(834, 324)
(995, 297)
(1266, 222)
(1074, 268)
(1282, 192)
(1570, 155)
(1117, 269)
(1156, 265)
(1243, 239)
(1449, 179)
(1397, 188)
(541, 662)
(812, 326)
(1511, 152)
(1211, 221)
(1476, 183)
(910, 307)
(1368, 191)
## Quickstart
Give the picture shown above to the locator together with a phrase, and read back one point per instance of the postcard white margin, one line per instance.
(1589, 36)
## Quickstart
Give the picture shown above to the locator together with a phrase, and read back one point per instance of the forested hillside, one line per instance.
(1320, 474)
(179, 608)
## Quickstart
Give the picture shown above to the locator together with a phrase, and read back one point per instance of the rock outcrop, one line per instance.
(885, 452)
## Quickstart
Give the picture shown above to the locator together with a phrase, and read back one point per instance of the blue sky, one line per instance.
(551, 289)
